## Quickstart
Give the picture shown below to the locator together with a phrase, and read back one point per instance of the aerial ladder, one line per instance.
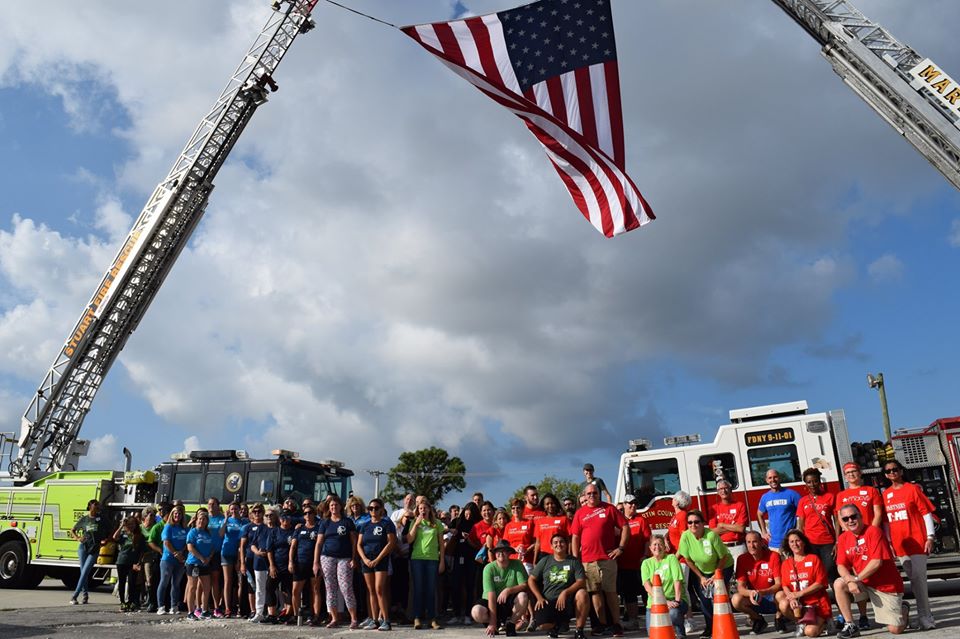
(911, 93)
(48, 440)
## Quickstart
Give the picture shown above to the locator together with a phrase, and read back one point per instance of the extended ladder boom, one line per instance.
(917, 99)
(49, 428)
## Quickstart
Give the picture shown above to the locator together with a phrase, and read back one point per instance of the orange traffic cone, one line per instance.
(660, 626)
(724, 625)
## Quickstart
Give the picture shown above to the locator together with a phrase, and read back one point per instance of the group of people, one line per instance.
(542, 564)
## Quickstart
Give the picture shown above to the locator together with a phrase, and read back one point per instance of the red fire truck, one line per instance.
(789, 439)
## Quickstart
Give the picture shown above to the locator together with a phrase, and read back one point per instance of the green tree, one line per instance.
(549, 484)
(430, 472)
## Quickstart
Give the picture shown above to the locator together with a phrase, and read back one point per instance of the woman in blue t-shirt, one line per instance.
(301, 563)
(174, 538)
(200, 551)
(334, 553)
(377, 539)
(230, 533)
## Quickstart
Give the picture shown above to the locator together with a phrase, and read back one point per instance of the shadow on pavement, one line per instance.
(16, 632)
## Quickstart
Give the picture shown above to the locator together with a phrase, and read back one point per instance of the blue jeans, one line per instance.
(171, 574)
(87, 561)
(676, 618)
(706, 598)
(424, 573)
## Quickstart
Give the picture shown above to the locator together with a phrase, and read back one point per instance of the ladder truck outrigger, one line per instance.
(48, 492)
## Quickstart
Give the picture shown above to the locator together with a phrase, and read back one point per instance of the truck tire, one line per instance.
(13, 564)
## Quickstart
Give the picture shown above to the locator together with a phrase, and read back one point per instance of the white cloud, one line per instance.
(191, 443)
(954, 237)
(886, 268)
(105, 453)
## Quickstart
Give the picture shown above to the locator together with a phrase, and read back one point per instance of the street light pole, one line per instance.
(877, 382)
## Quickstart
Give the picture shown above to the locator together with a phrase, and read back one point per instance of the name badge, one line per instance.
(808, 564)
(764, 566)
(861, 541)
(567, 568)
(603, 515)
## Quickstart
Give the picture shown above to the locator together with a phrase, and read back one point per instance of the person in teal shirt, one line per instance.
(705, 552)
(671, 578)
(426, 544)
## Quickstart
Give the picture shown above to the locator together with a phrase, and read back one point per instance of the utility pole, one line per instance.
(376, 481)
(877, 382)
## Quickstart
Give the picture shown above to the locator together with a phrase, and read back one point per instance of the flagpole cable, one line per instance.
(360, 13)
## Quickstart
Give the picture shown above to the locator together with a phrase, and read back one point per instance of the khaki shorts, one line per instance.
(886, 605)
(601, 575)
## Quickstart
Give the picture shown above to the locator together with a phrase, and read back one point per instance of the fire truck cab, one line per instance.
(784, 437)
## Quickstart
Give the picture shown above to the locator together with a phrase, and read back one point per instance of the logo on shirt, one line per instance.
(341, 530)
(378, 531)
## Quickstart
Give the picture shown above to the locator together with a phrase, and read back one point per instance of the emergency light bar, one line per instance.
(639, 444)
(680, 440)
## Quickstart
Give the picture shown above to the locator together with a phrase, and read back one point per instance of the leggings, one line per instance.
(338, 577)
(127, 585)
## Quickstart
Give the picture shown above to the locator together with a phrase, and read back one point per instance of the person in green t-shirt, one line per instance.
(152, 528)
(671, 578)
(705, 552)
(505, 590)
(92, 532)
(552, 582)
(426, 541)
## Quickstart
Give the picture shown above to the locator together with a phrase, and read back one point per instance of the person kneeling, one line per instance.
(554, 580)
(867, 571)
(505, 589)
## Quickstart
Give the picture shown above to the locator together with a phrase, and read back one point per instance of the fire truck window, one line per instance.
(654, 478)
(213, 486)
(299, 482)
(713, 467)
(253, 484)
(782, 459)
(186, 487)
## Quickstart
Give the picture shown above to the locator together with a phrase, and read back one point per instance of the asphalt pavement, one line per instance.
(45, 612)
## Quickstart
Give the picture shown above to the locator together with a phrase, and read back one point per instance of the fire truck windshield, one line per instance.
(298, 482)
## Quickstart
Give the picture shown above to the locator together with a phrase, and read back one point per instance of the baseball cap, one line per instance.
(588, 467)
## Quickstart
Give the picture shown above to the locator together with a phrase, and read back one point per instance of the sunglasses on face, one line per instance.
(850, 518)
(694, 522)
(891, 471)
(371, 508)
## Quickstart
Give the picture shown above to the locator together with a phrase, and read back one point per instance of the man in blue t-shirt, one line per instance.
(779, 504)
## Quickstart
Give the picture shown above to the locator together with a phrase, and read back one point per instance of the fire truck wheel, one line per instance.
(13, 564)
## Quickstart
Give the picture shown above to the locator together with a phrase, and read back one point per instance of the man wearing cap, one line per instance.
(629, 584)
(728, 518)
(599, 536)
(553, 582)
(867, 572)
(505, 591)
(591, 480)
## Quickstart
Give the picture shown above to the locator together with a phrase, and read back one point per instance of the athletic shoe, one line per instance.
(510, 629)
(849, 631)
(531, 626)
(758, 626)
(206, 615)
(257, 618)
(85, 599)
(467, 621)
(368, 624)
(161, 611)
(781, 625)
(706, 634)
(384, 626)
(579, 634)
(217, 614)
(73, 601)
(863, 623)
(617, 630)
(688, 626)
(554, 632)
(454, 621)
(435, 624)
(800, 630)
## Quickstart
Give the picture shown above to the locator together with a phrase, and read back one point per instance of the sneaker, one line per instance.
(531, 626)
(384, 626)
(86, 598)
(73, 601)
(160, 611)
(617, 630)
(758, 626)
(257, 618)
(206, 614)
(416, 624)
(688, 626)
(368, 624)
(579, 634)
(597, 631)
(467, 621)
(554, 632)
(218, 615)
(800, 630)
(781, 625)
(454, 621)
(706, 634)
(848, 631)
(510, 629)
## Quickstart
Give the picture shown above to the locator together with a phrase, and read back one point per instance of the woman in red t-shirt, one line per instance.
(519, 534)
(804, 580)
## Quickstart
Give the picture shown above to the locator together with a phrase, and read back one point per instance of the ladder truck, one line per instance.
(48, 492)
(912, 93)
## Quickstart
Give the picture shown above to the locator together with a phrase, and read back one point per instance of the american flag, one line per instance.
(553, 63)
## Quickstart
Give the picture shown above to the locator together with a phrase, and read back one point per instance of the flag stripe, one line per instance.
(449, 44)
(615, 117)
(558, 101)
(585, 101)
(469, 45)
(499, 46)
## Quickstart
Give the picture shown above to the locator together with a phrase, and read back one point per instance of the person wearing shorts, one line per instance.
(758, 582)
(600, 534)
(199, 554)
(504, 591)
(230, 531)
(867, 572)
(553, 582)
(376, 539)
(302, 547)
(280, 577)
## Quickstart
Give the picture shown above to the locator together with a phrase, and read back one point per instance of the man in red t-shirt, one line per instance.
(599, 536)
(911, 529)
(815, 517)
(867, 571)
(758, 582)
(531, 506)
(728, 518)
(629, 584)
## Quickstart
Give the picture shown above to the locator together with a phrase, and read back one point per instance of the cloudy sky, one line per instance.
(389, 262)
